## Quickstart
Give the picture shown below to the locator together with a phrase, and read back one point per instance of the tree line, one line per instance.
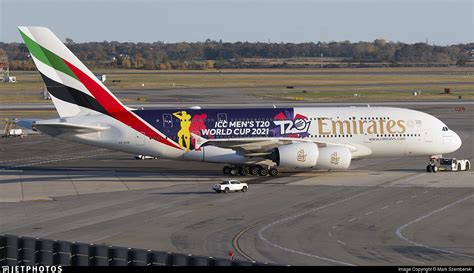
(217, 54)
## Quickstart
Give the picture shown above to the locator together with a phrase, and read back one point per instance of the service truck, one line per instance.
(230, 185)
(448, 164)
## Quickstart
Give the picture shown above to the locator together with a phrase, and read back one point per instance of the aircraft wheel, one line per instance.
(273, 172)
(234, 171)
(254, 170)
(263, 172)
(226, 170)
(434, 168)
(244, 171)
(428, 168)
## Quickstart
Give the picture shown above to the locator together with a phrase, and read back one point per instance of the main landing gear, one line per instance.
(432, 167)
(250, 170)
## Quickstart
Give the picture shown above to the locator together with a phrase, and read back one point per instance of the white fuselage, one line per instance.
(370, 131)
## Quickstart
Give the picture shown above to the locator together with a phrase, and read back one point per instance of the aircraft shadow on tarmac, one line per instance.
(148, 171)
(405, 170)
(138, 171)
(38, 174)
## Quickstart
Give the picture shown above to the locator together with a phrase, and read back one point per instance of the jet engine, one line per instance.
(334, 158)
(309, 155)
(297, 155)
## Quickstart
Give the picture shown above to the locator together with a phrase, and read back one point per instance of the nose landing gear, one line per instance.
(432, 168)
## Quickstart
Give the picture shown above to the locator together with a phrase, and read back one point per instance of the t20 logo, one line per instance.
(296, 126)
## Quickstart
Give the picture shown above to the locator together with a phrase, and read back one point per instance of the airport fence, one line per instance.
(19, 250)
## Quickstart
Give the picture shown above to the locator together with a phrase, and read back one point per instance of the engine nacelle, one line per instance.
(298, 155)
(334, 157)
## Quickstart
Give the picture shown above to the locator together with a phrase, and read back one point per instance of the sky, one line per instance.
(442, 22)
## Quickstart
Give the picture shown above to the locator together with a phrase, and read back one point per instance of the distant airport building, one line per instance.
(4, 68)
(8, 78)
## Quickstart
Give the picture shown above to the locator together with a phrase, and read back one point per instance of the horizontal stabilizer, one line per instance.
(59, 128)
(26, 123)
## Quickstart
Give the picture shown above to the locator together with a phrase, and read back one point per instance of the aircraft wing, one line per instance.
(259, 146)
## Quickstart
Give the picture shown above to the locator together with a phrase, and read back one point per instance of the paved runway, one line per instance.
(379, 212)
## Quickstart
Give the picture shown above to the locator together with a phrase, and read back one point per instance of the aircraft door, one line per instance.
(193, 140)
(427, 135)
(167, 121)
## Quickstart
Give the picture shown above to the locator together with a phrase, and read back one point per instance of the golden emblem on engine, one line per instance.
(334, 158)
(301, 156)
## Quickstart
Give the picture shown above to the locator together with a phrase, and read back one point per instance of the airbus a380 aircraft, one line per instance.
(254, 141)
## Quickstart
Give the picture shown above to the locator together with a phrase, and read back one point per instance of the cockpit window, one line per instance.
(445, 128)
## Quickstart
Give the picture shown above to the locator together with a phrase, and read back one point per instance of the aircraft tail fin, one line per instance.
(74, 89)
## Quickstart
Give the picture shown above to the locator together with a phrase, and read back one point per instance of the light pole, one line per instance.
(321, 60)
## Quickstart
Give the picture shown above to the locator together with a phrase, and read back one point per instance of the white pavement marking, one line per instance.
(399, 230)
(48, 157)
(341, 242)
(404, 180)
(61, 159)
(400, 201)
(262, 230)
(21, 159)
(352, 219)
(369, 213)
(386, 207)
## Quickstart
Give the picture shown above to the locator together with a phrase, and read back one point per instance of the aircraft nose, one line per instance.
(452, 142)
(457, 142)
